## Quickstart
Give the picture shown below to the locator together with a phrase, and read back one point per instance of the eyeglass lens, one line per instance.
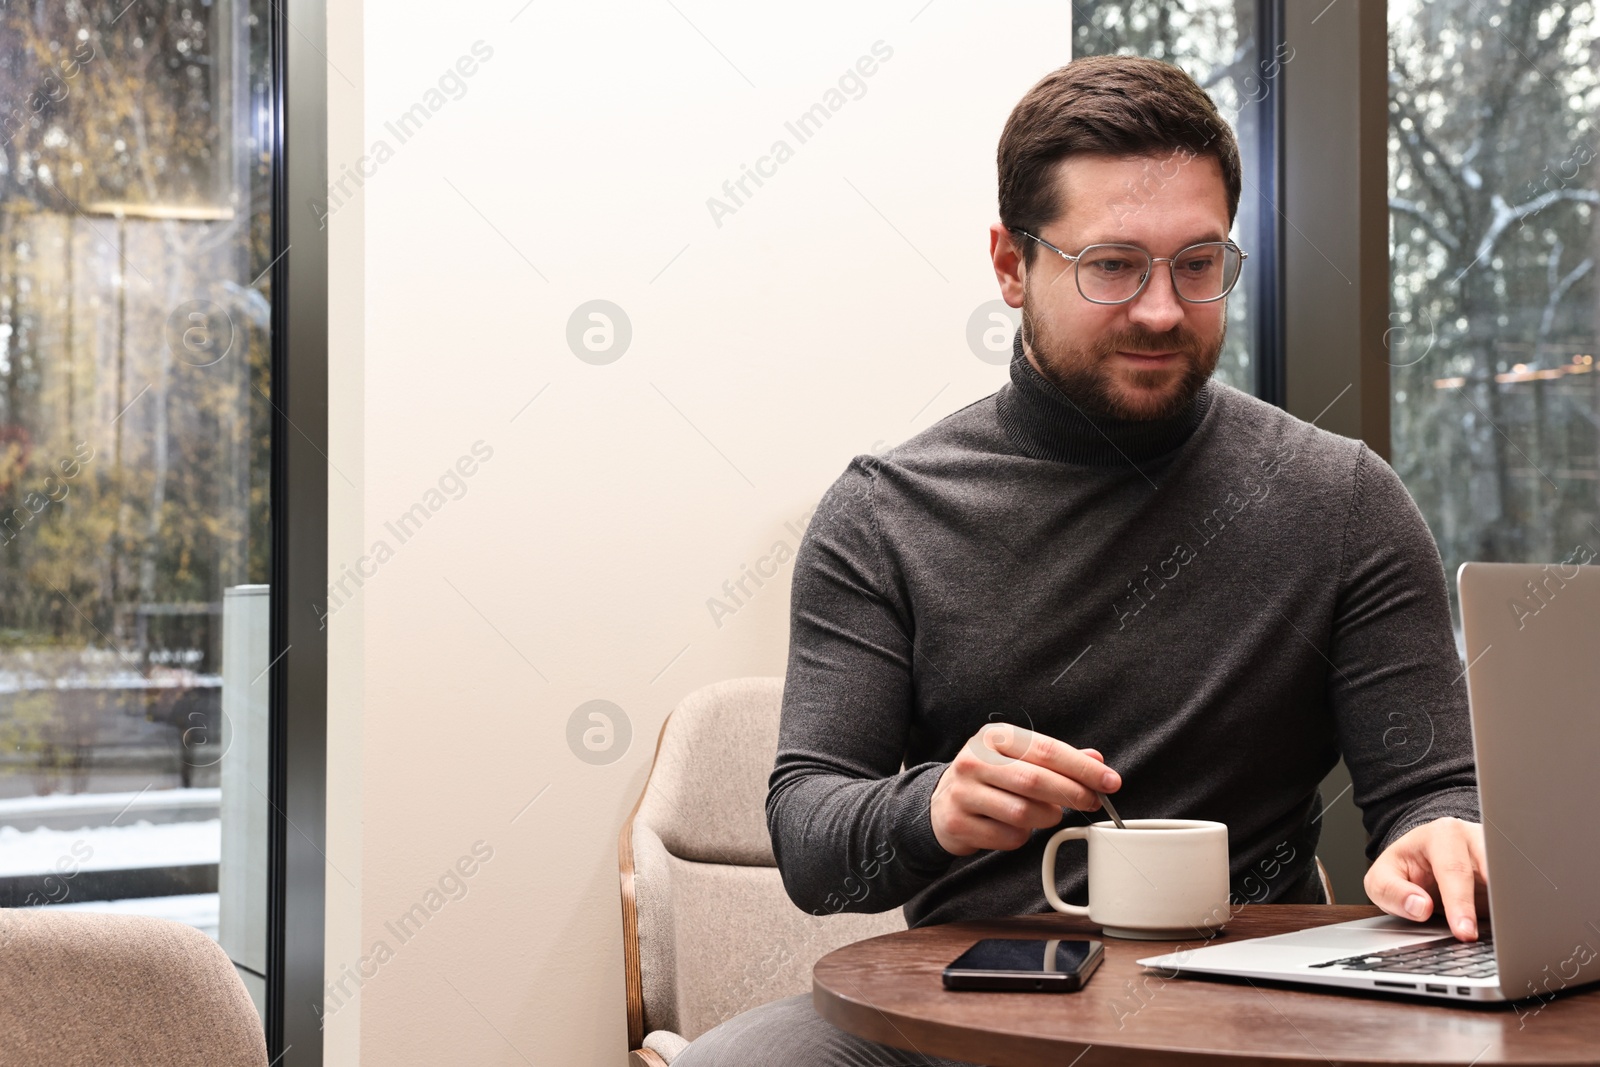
(1112, 273)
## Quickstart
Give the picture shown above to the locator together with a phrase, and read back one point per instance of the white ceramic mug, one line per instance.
(1157, 880)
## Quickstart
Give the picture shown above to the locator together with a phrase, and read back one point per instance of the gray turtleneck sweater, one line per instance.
(1221, 602)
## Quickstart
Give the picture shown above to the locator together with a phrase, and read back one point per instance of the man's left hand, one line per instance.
(1440, 862)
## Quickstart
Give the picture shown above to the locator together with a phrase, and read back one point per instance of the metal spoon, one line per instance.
(1111, 811)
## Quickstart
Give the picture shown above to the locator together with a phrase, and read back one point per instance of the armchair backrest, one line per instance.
(708, 928)
(87, 988)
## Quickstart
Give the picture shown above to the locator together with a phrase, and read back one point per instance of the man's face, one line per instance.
(1146, 358)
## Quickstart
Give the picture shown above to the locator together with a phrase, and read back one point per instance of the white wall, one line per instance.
(826, 317)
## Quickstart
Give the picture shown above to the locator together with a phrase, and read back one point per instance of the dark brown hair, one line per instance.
(1108, 105)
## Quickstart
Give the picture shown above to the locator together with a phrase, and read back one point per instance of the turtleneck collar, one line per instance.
(1045, 424)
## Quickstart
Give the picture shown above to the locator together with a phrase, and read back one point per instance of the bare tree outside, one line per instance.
(134, 394)
(1492, 149)
(136, 412)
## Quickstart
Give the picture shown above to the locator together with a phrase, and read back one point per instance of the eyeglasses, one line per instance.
(1115, 274)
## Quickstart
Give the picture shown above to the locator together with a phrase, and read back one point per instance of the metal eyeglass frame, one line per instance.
(1168, 260)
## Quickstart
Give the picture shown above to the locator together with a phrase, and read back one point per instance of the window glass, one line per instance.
(1214, 41)
(1491, 343)
(135, 237)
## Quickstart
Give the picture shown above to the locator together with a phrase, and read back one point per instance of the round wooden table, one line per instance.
(889, 989)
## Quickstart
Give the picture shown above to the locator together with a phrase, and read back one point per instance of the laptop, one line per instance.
(1533, 685)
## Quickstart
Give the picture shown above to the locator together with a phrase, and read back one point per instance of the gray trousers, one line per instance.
(790, 1033)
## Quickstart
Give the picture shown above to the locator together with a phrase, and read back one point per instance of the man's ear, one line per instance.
(1008, 266)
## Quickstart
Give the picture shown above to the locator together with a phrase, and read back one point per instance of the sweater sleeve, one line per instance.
(1397, 689)
(851, 830)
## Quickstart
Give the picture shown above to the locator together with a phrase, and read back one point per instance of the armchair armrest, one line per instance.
(661, 1047)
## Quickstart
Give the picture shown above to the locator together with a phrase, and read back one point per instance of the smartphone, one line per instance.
(1030, 966)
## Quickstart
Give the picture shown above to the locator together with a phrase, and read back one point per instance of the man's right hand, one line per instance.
(1007, 782)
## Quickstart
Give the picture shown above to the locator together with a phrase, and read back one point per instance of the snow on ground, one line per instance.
(138, 799)
(95, 805)
(132, 842)
(109, 847)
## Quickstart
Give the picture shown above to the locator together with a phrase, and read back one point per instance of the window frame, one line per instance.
(1335, 270)
(1335, 198)
(296, 860)
(1267, 278)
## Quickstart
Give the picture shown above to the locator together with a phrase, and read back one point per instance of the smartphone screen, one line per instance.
(1024, 964)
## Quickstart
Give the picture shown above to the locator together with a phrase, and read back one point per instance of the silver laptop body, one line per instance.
(1533, 684)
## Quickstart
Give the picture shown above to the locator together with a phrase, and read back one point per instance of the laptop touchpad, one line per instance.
(1366, 933)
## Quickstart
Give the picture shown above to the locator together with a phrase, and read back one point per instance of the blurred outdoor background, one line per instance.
(134, 444)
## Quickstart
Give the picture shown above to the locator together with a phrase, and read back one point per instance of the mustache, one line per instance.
(1138, 339)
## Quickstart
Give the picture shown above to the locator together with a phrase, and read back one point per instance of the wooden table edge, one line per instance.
(855, 1014)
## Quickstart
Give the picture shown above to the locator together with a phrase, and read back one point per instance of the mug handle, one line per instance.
(1071, 833)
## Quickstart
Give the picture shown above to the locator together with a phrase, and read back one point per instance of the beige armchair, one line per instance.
(708, 930)
(85, 989)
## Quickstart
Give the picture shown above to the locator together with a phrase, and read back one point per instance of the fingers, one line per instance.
(1390, 889)
(1480, 895)
(1040, 767)
(969, 814)
(1456, 874)
(1474, 836)
(1008, 781)
(1393, 882)
(1009, 808)
(980, 832)
(1446, 854)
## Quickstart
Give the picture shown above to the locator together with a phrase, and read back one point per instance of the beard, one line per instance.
(1088, 373)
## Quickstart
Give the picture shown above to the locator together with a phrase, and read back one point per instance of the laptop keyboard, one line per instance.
(1445, 957)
